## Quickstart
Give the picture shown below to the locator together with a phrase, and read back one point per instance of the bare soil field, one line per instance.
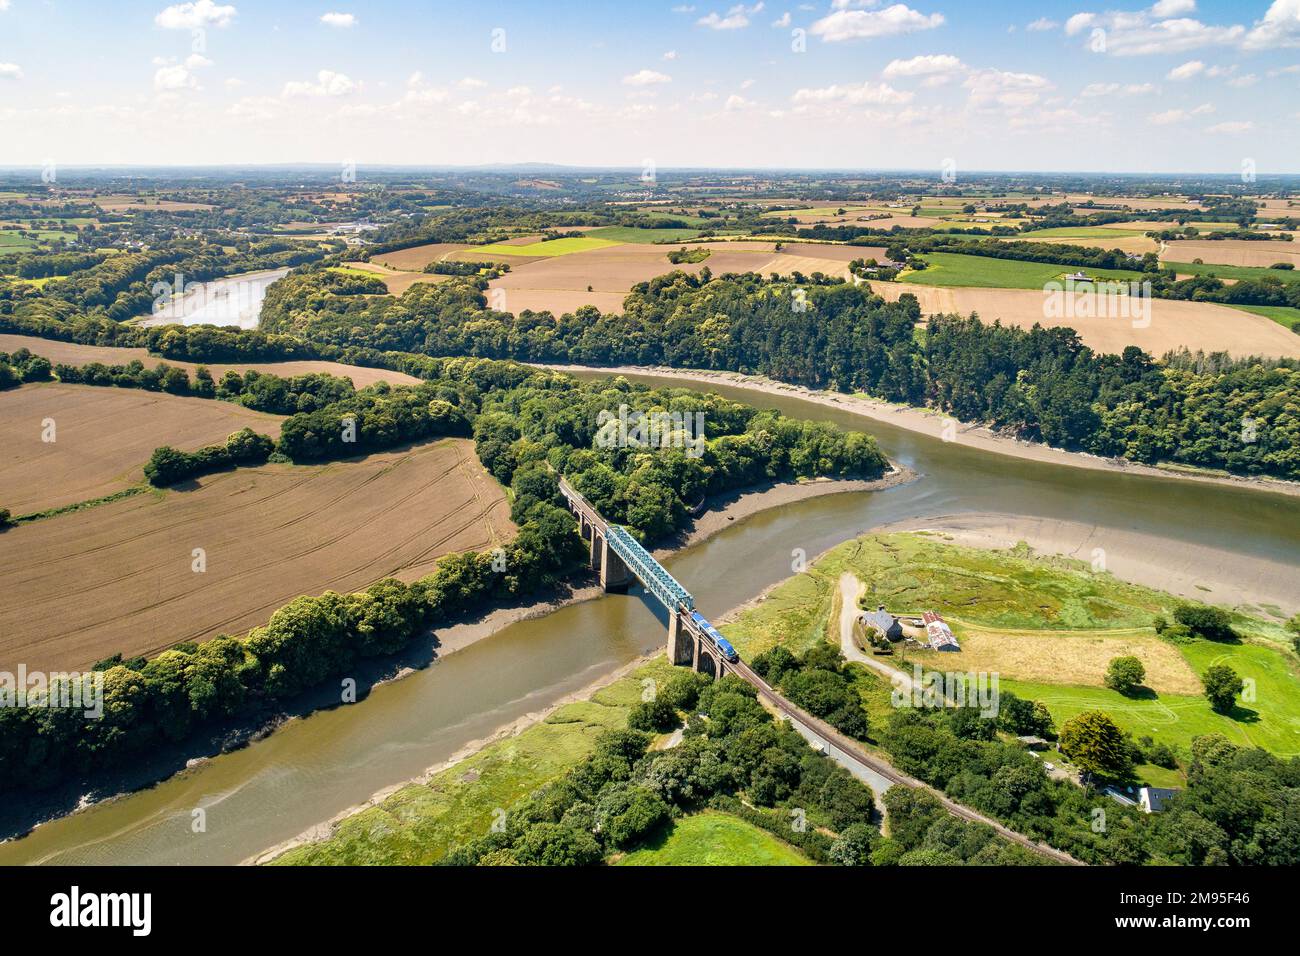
(396, 281)
(119, 577)
(559, 284)
(417, 257)
(103, 437)
(70, 353)
(1236, 252)
(1196, 325)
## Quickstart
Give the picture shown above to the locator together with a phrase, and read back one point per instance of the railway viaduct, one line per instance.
(617, 558)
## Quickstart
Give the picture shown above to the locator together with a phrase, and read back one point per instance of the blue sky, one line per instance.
(1179, 85)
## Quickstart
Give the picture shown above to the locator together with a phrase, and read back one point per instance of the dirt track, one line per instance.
(119, 577)
(103, 437)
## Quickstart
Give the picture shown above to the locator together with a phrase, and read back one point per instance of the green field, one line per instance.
(632, 234)
(548, 247)
(957, 269)
(712, 838)
(1082, 232)
(419, 823)
(1284, 315)
(1271, 721)
(1231, 272)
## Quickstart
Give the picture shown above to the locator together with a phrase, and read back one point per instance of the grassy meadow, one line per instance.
(713, 838)
(984, 272)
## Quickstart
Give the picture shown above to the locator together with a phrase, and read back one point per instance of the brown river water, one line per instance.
(313, 768)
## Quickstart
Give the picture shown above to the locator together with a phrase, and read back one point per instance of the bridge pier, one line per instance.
(681, 645)
(614, 574)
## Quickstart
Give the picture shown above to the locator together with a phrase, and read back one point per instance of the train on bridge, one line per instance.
(723, 645)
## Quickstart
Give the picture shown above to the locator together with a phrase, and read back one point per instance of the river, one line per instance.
(234, 300)
(311, 769)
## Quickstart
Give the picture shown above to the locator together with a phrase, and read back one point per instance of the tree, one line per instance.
(1096, 745)
(1222, 685)
(853, 848)
(1125, 674)
(1209, 622)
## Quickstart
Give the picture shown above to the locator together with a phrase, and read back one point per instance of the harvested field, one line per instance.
(103, 437)
(1196, 325)
(1077, 658)
(118, 577)
(559, 284)
(395, 281)
(417, 257)
(70, 353)
(1236, 252)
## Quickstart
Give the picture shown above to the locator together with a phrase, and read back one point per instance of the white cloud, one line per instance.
(670, 55)
(10, 71)
(862, 24)
(4, 5)
(1185, 72)
(195, 16)
(342, 20)
(197, 61)
(925, 65)
(876, 94)
(1242, 82)
(1042, 24)
(1164, 9)
(328, 83)
(1080, 21)
(737, 18)
(1236, 126)
(175, 77)
(471, 83)
(646, 78)
(1116, 89)
(1279, 28)
(1154, 31)
(1169, 117)
(1005, 88)
(736, 102)
(782, 21)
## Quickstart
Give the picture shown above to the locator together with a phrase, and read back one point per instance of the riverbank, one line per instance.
(1193, 571)
(936, 424)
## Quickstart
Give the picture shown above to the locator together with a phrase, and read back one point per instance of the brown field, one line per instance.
(559, 284)
(1196, 325)
(70, 353)
(396, 281)
(118, 577)
(417, 257)
(103, 437)
(1234, 252)
(1078, 658)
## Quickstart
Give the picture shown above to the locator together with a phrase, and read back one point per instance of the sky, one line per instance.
(1178, 86)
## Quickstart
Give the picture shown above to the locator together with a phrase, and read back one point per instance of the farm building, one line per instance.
(883, 623)
(940, 634)
(1155, 799)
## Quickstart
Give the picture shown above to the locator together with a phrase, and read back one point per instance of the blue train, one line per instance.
(724, 645)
